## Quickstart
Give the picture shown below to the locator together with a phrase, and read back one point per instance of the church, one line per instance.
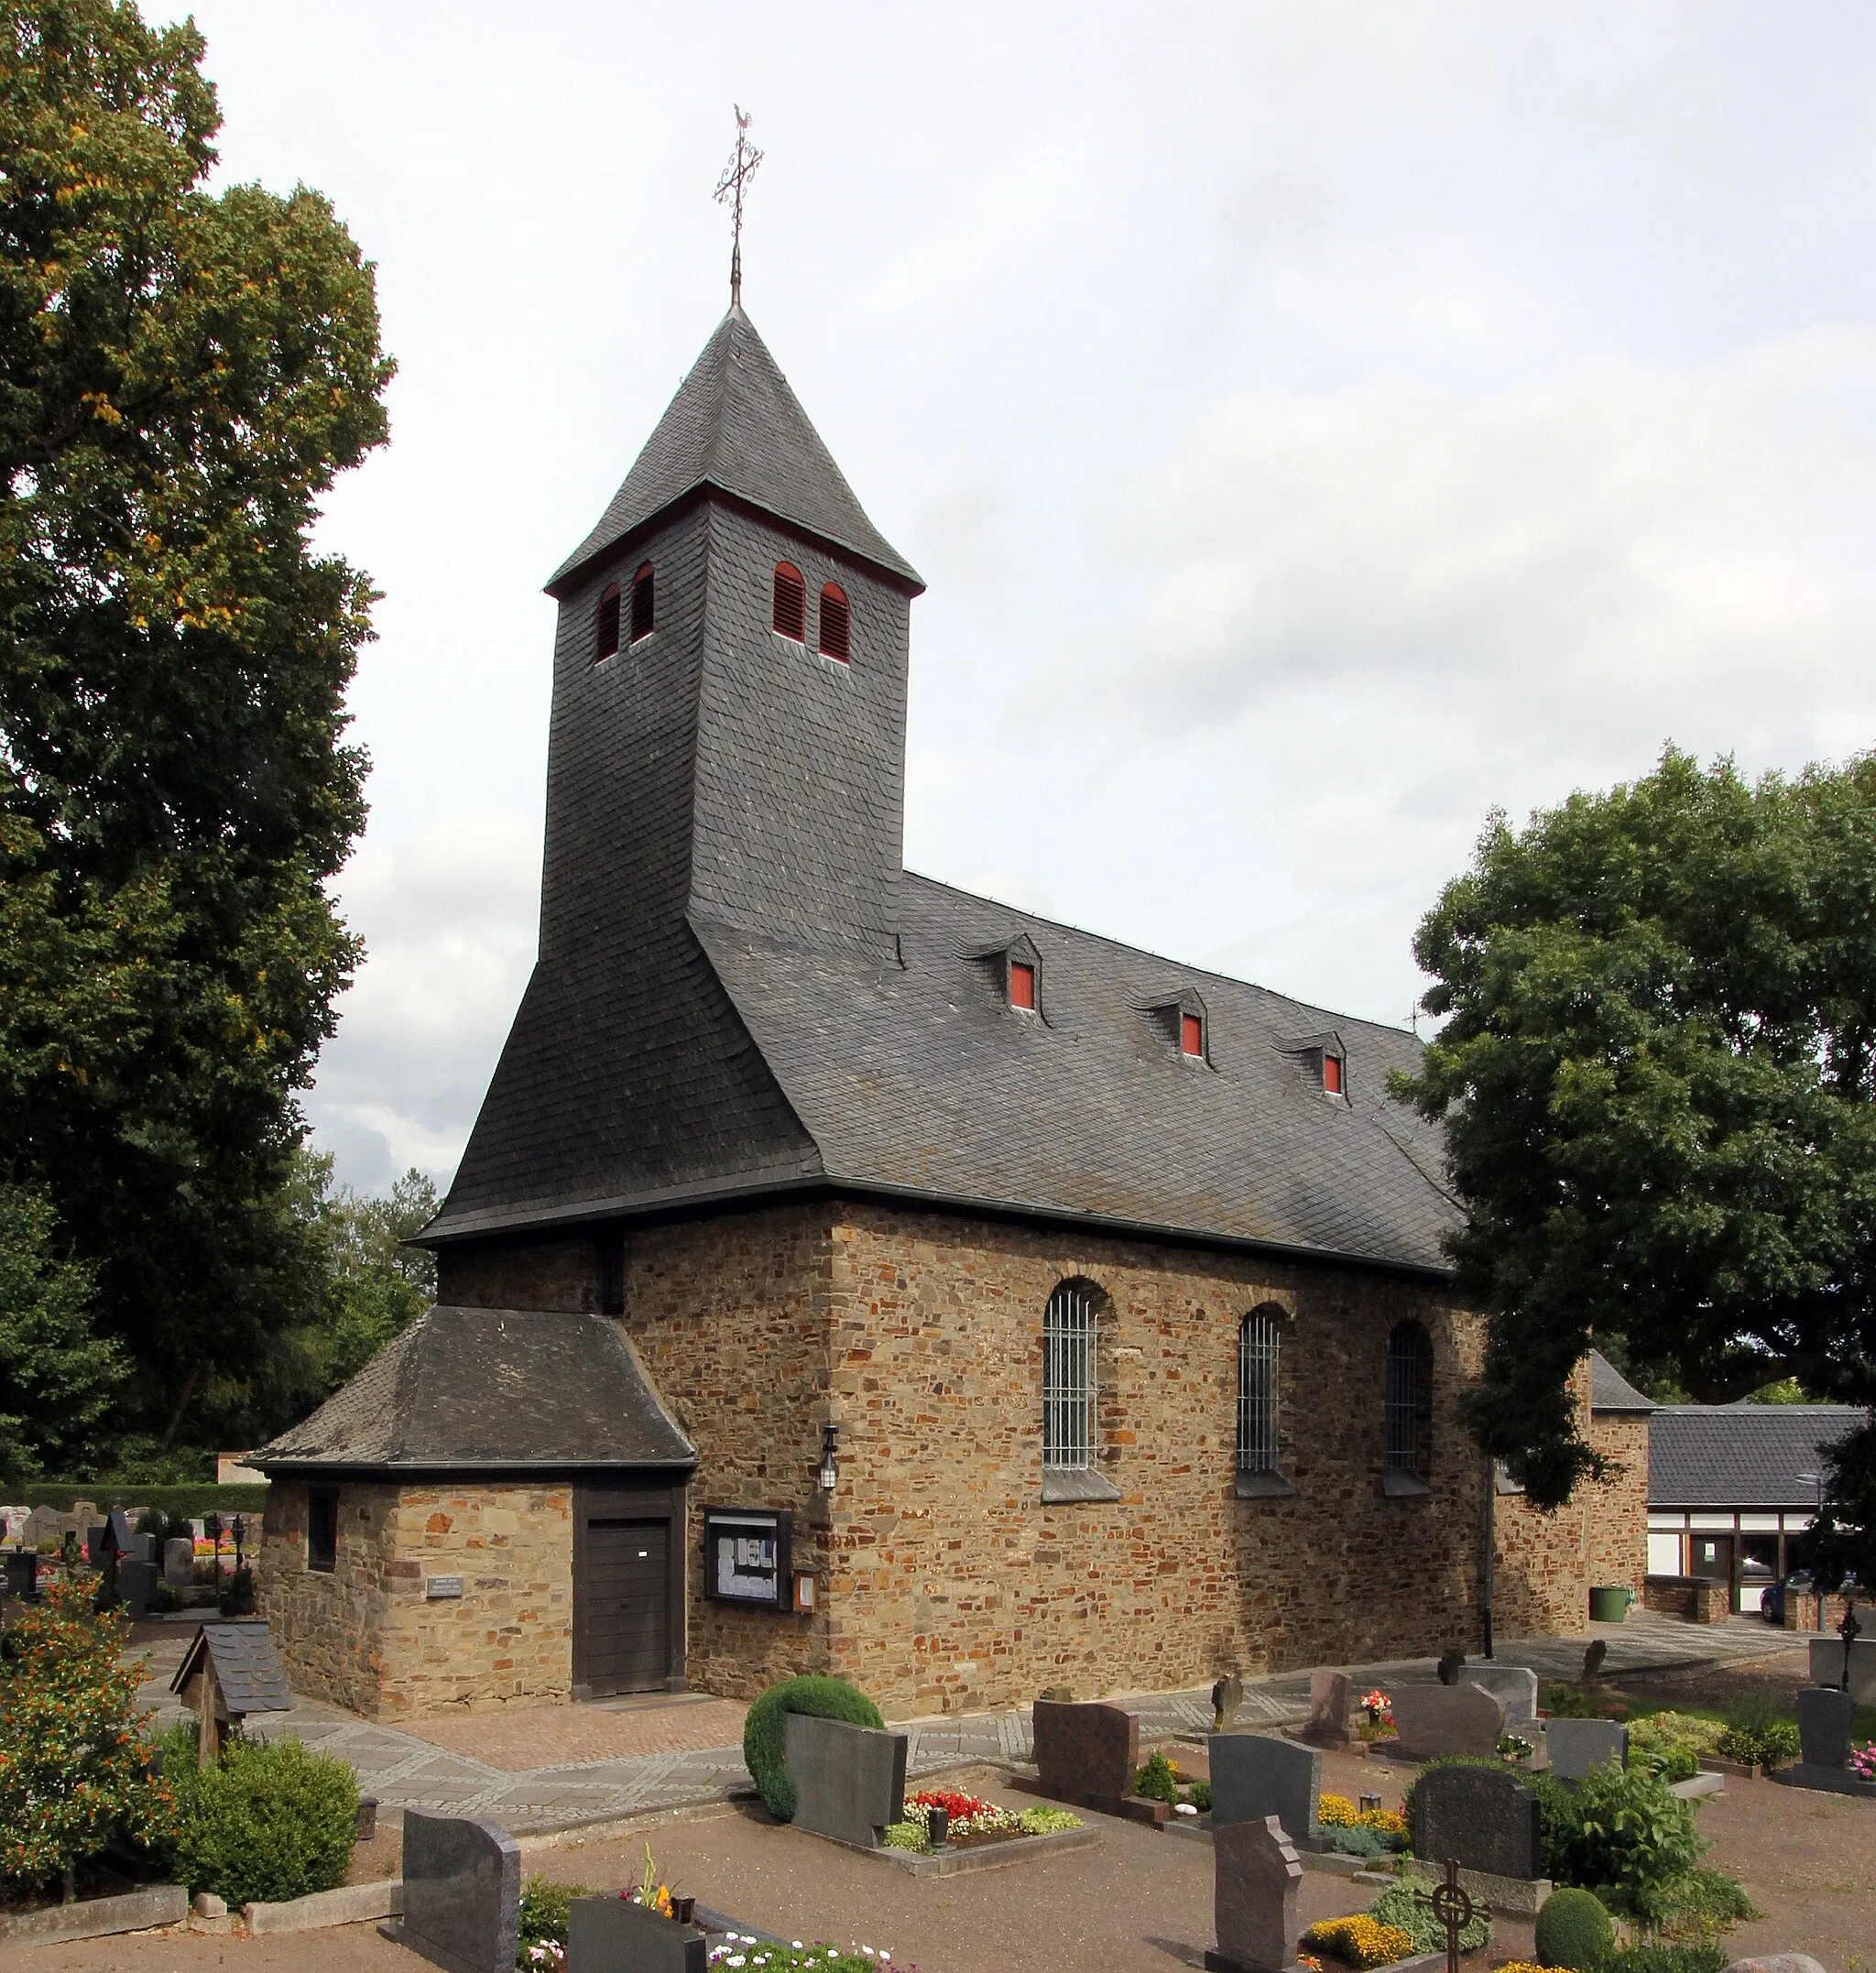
(849, 1274)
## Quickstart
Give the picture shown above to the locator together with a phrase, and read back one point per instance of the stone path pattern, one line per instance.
(621, 1761)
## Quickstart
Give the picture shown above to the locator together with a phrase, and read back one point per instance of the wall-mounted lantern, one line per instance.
(830, 1469)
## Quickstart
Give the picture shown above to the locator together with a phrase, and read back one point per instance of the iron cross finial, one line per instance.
(736, 173)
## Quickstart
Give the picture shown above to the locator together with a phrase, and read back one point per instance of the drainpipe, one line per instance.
(1491, 1540)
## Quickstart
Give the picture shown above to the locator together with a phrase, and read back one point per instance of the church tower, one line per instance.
(725, 759)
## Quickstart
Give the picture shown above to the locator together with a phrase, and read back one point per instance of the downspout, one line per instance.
(1491, 1540)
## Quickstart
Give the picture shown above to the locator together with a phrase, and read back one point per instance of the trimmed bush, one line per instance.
(1573, 1930)
(268, 1822)
(1157, 1779)
(765, 1731)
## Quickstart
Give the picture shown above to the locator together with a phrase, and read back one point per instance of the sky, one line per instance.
(1319, 426)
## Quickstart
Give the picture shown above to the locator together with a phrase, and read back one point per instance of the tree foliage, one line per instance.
(182, 375)
(1656, 1075)
(56, 1378)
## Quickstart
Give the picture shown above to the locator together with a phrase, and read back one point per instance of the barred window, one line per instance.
(644, 604)
(606, 629)
(790, 612)
(1068, 1381)
(834, 623)
(1257, 1392)
(1408, 1443)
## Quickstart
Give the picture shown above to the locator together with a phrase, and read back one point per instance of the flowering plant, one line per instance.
(1361, 1941)
(745, 1950)
(1380, 1708)
(649, 1892)
(1863, 1762)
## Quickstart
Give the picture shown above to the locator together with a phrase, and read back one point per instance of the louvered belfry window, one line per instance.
(790, 618)
(834, 623)
(607, 641)
(1256, 1392)
(1408, 1444)
(1068, 1381)
(644, 604)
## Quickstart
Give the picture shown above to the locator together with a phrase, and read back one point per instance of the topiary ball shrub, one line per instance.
(1574, 1931)
(765, 1731)
(268, 1822)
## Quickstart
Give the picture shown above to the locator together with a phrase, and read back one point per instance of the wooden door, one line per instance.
(626, 1610)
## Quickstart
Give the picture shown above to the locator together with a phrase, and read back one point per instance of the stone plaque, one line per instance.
(1085, 1749)
(1823, 1724)
(1446, 1719)
(179, 1562)
(1329, 1709)
(1489, 1821)
(849, 1781)
(1256, 1776)
(1577, 1745)
(462, 1892)
(1255, 1878)
(613, 1935)
(1516, 1686)
(435, 1588)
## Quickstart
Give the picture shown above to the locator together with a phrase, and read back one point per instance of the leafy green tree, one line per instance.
(182, 375)
(1655, 1076)
(56, 1378)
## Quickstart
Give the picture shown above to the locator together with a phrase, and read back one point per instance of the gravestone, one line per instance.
(1328, 1725)
(137, 1583)
(615, 1935)
(849, 1781)
(1516, 1687)
(1086, 1754)
(179, 1562)
(462, 1892)
(1446, 1719)
(1489, 1821)
(1827, 1666)
(1227, 1695)
(1256, 1874)
(1577, 1745)
(1824, 1726)
(1256, 1776)
(44, 1524)
(16, 1519)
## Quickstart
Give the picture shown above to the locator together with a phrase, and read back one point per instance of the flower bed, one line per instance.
(1360, 1941)
(973, 1822)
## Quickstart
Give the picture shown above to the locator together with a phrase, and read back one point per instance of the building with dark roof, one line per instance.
(1021, 1308)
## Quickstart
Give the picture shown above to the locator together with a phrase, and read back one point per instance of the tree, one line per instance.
(56, 1378)
(1655, 1077)
(182, 375)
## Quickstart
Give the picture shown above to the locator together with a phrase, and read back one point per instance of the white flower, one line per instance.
(737, 1959)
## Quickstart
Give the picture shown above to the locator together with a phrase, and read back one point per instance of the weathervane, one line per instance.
(736, 173)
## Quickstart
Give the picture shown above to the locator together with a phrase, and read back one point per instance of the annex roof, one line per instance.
(248, 1667)
(1740, 1456)
(490, 1390)
(1610, 1391)
(736, 425)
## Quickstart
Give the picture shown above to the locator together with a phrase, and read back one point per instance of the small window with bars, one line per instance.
(834, 623)
(1408, 1419)
(1068, 1381)
(789, 615)
(1259, 1336)
(644, 604)
(607, 642)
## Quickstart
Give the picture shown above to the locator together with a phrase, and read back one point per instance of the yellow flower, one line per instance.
(1361, 1941)
(1335, 1812)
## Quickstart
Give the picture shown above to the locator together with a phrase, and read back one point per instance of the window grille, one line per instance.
(790, 613)
(1409, 1415)
(644, 598)
(834, 623)
(1256, 1392)
(608, 626)
(1068, 1381)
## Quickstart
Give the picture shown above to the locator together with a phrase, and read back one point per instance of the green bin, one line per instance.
(1611, 1606)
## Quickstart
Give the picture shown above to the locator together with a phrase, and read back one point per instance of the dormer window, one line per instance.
(1191, 1037)
(608, 640)
(833, 622)
(1022, 986)
(644, 599)
(791, 612)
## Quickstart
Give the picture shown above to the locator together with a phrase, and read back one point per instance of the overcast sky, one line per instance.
(1317, 426)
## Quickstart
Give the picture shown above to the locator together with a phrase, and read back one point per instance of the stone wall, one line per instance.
(365, 1636)
(1616, 1532)
(1693, 1597)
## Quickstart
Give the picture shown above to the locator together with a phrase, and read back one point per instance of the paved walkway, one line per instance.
(445, 1765)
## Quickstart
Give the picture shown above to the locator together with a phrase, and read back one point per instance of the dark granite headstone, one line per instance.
(137, 1584)
(1577, 1745)
(1824, 1726)
(1514, 1684)
(1085, 1749)
(1256, 1775)
(1327, 1724)
(462, 1892)
(1446, 1719)
(1255, 1878)
(23, 1574)
(615, 1935)
(849, 1781)
(1489, 1821)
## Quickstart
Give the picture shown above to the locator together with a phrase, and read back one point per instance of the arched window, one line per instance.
(1258, 1336)
(790, 618)
(1068, 1381)
(644, 604)
(1408, 1420)
(608, 640)
(833, 622)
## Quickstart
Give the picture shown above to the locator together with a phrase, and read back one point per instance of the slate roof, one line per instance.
(737, 426)
(248, 1667)
(490, 1390)
(1610, 1391)
(1740, 1456)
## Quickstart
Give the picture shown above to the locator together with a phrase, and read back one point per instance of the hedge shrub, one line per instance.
(1573, 1931)
(765, 1731)
(269, 1821)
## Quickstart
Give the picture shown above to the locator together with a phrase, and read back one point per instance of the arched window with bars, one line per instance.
(644, 603)
(606, 641)
(1259, 1336)
(835, 625)
(1407, 1437)
(1069, 1341)
(790, 614)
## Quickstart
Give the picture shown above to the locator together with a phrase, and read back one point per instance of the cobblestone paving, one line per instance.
(404, 1772)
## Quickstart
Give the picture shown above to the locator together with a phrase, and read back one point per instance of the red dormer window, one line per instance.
(1192, 1035)
(1332, 1075)
(790, 613)
(1022, 985)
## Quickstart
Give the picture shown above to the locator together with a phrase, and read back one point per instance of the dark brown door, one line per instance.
(626, 1606)
(1711, 1555)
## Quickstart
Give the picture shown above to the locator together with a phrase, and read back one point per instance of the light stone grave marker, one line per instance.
(1578, 1745)
(1257, 1775)
(1446, 1719)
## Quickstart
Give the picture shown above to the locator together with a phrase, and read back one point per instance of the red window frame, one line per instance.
(837, 623)
(1332, 1074)
(607, 624)
(1022, 985)
(1192, 1036)
(788, 615)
